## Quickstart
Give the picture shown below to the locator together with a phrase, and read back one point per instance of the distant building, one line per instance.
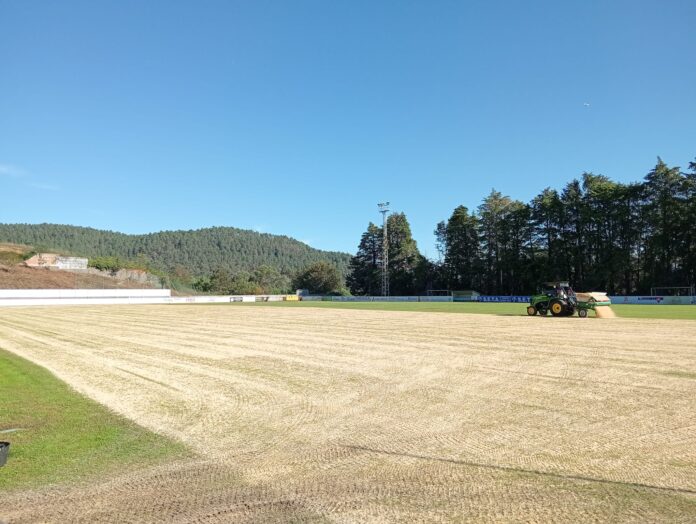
(54, 261)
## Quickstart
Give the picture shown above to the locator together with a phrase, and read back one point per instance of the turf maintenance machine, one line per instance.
(559, 299)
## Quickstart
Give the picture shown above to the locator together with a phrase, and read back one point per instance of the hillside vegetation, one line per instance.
(15, 275)
(19, 277)
(11, 254)
(198, 252)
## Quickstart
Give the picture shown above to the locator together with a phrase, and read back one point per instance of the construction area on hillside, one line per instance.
(18, 270)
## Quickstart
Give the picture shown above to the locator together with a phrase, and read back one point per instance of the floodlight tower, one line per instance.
(384, 209)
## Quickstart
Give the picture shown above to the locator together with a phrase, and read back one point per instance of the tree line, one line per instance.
(195, 253)
(222, 260)
(597, 233)
(322, 278)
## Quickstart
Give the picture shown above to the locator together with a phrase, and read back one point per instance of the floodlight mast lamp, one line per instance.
(384, 209)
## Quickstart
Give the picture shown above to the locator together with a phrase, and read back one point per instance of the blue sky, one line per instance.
(299, 117)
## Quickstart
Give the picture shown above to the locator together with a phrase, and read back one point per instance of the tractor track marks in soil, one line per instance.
(528, 471)
(322, 415)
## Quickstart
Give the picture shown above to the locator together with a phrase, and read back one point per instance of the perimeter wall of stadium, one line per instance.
(45, 297)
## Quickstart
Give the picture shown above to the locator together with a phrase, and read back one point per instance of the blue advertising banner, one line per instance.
(503, 298)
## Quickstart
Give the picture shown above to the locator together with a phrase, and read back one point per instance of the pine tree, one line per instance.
(665, 208)
(404, 257)
(460, 241)
(491, 216)
(365, 267)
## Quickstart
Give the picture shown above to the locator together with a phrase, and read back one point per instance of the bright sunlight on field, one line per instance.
(353, 415)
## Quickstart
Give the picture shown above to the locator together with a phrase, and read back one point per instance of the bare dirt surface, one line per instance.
(22, 277)
(373, 416)
(18, 249)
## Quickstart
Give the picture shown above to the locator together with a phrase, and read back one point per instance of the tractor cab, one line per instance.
(558, 298)
(560, 289)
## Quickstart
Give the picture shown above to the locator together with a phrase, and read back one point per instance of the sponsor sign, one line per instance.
(653, 300)
(382, 299)
(503, 298)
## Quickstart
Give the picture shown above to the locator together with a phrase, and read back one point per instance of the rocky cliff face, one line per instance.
(127, 275)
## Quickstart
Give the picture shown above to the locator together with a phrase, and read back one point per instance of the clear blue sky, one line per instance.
(298, 117)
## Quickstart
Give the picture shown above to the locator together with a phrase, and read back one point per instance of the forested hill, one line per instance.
(200, 251)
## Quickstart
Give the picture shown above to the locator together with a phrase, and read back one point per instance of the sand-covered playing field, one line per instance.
(374, 416)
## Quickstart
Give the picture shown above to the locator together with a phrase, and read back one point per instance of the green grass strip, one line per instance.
(64, 436)
(687, 312)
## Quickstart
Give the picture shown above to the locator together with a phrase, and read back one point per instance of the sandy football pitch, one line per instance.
(334, 415)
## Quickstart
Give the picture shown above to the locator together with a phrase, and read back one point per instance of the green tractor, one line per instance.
(558, 298)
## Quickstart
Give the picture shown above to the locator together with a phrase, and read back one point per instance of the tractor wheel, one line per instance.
(557, 308)
(582, 313)
(531, 311)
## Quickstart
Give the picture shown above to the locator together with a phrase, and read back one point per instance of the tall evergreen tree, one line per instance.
(664, 206)
(547, 221)
(404, 258)
(492, 214)
(514, 248)
(408, 271)
(603, 199)
(365, 267)
(688, 226)
(459, 239)
(574, 232)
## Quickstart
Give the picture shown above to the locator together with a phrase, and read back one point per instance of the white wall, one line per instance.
(10, 302)
(57, 297)
(207, 299)
(65, 297)
(45, 297)
(71, 263)
(83, 293)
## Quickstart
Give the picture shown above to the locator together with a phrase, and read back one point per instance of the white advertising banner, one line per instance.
(653, 300)
(381, 299)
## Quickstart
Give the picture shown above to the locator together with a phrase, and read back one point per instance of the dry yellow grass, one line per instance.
(376, 416)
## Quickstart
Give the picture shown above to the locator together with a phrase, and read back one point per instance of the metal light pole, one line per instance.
(384, 209)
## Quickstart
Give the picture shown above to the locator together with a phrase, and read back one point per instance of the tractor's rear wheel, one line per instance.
(557, 308)
(531, 311)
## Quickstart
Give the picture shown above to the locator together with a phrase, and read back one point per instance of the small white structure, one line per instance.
(54, 261)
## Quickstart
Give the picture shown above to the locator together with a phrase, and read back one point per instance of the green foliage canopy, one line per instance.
(320, 278)
(197, 253)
